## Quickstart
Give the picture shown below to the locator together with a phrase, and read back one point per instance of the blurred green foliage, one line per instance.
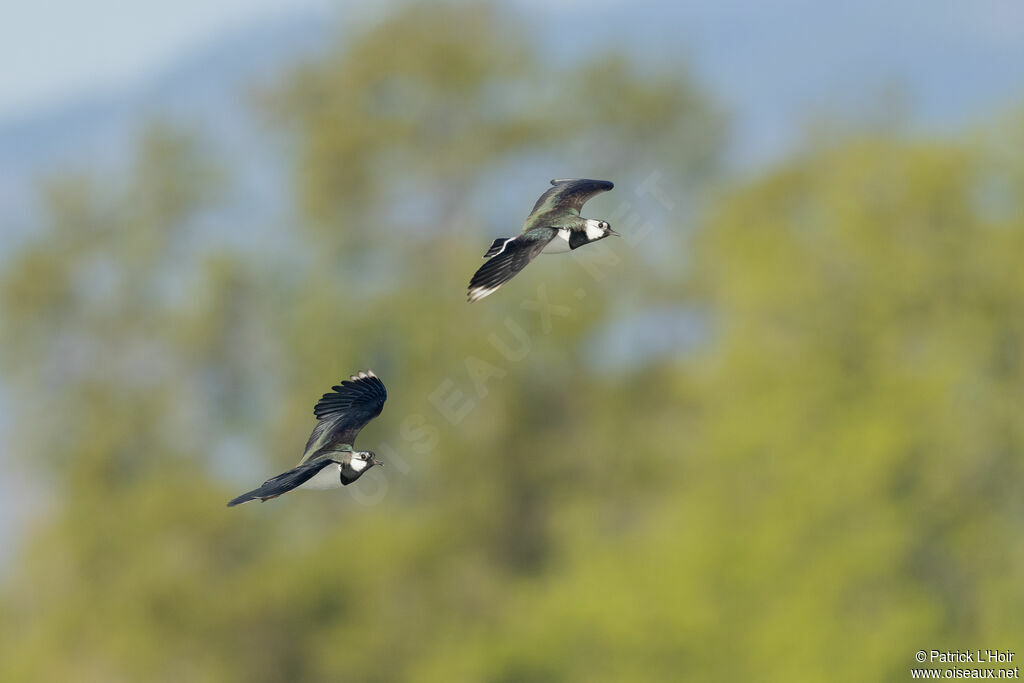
(830, 482)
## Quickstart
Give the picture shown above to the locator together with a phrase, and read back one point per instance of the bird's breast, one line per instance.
(327, 478)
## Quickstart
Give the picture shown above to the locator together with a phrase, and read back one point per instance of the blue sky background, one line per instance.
(62, 48)
(771, 62)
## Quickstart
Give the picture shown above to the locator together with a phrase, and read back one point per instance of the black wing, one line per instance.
(346, 410)
(570, 193)
(283, 483)
(512, 258)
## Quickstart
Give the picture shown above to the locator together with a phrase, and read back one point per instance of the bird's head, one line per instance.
(598, 230)
(360, 462)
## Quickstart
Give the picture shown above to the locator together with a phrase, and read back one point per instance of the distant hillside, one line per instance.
(210, 91)
(774, 65)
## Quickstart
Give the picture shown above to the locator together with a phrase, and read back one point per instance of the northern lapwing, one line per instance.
(554, 226)
(330, 461)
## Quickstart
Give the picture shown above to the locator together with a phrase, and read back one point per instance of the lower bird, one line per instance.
(554, 226)
(330, 461)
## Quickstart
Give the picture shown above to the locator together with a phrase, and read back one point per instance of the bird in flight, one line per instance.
(330, 461)
(554, 226)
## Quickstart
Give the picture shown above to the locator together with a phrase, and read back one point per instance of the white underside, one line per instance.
(559, 245)
(327, 478)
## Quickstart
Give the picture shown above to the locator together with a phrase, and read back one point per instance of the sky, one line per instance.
(60, 49)
(56, 50)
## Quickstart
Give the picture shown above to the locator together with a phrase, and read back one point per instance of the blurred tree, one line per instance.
(410, 114)
(847, 466)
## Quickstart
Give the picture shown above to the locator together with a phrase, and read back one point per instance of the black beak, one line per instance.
(612, 232)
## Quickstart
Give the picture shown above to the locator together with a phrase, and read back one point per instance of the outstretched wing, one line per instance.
(283, 483)
(569, 194)
(504, 264)
(346, 410)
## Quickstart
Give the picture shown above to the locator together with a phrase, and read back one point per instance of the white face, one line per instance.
(595, 229)
(358, 463)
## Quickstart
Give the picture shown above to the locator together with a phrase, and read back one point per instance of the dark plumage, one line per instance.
(329, 460)
(507, 261)
(570, 194)
(283, 483)
(553, 225)
(345, 410)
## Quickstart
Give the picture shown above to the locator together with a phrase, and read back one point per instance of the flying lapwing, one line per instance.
(554, 226)
(330, 461)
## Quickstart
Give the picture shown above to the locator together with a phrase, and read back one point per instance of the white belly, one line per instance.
(327, 478)
(559, 245)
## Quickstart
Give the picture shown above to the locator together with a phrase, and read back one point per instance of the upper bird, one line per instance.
(330, 462)
(554, 226)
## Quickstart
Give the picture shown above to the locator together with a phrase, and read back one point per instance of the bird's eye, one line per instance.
(604, 226)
